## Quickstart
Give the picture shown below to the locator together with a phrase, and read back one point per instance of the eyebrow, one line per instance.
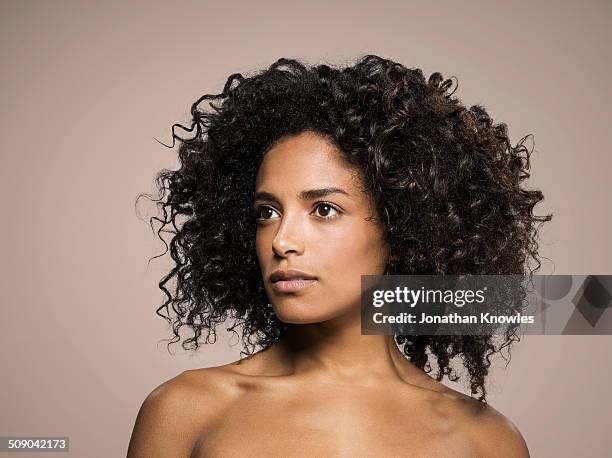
(304, 195)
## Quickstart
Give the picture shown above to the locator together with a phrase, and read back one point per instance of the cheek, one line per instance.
(262, 243)
(341, 266)
(258, 242)
(350, 255)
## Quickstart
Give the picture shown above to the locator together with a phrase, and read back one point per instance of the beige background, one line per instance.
(87, 85)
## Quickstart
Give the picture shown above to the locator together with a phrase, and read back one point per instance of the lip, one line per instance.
(290, 274)
(292, 286)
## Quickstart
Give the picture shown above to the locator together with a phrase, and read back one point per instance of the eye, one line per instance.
(328, 207)
(326, 212)
(257, 214)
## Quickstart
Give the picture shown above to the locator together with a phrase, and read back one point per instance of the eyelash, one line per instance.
(256, 213)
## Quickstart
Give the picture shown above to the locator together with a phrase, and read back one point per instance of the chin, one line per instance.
(304, 313)
(298, 314)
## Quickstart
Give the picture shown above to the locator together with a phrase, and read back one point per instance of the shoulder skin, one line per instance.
(174, 415)
(489, 431)
(496, 436)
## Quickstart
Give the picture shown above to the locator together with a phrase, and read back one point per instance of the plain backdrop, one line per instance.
(87, 85)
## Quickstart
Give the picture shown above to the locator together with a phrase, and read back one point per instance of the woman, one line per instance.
(298, 181)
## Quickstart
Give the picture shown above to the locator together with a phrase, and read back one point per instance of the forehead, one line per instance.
(305, 160)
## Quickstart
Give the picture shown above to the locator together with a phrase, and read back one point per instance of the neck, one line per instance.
(335, 352)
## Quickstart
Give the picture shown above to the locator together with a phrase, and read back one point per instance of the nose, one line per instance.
(289, 237)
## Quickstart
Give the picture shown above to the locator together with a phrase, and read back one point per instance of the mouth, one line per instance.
(293, 285)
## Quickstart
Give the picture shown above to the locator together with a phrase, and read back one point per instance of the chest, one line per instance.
(332, 424)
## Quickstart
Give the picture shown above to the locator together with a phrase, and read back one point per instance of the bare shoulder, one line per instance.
(496, 435)
(490, 432)
(173, 416)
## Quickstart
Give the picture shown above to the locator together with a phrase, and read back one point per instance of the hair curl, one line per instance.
(445, 179)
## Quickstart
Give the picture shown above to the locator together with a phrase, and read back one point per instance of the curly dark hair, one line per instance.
(446, 181)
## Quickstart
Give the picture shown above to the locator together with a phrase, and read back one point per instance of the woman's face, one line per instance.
(322, 233)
